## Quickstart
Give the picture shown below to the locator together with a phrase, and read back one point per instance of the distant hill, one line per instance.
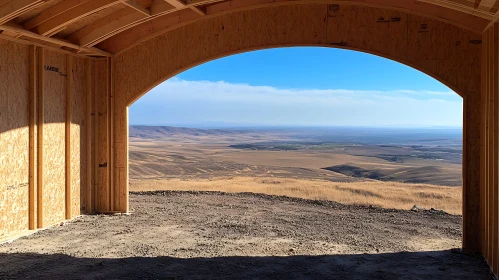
(156, 132)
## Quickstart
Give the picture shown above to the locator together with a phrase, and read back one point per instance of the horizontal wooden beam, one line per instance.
(52, 12)
(181, 5)
(134, 5)
(15, 8)
(54, 41)
(73, 14)
(104, 28)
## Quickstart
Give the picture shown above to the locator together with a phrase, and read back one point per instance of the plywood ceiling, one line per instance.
(107, 27)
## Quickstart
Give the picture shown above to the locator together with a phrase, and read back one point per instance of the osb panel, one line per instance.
(453, 52)
(14, 138)
(121, 159)
(489, 181)
(101, 129)
(78, 135)
(54, 110)
(441, 50)
(380, 31)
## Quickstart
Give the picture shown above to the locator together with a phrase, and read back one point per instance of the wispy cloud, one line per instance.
(180, 101)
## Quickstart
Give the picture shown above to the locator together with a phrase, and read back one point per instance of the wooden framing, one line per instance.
(134, 5)
(489, 198)
(39, 140)
(73, 14)
(119, 41)
(32, 136)
(69, 80)
(89, 136)
(13, 9)
(113, 30)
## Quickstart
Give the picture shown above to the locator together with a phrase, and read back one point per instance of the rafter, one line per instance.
(134, 5)
(181, 5)
(53, 41)
(494, 19)
(71, 15)
(120, 21)
(140, 32)
(12, 9)
(52, 12)
(103, 28)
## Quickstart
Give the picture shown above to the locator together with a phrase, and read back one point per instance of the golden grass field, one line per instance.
(382, 194)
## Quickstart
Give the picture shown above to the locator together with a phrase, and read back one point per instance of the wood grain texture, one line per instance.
(54, 107)
(14, 138)
(32, 136)
(489, 181)
(102, 189)
(67, 142)
(78, 136)
(39, 136)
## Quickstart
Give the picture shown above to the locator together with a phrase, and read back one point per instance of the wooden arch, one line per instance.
(443, 51)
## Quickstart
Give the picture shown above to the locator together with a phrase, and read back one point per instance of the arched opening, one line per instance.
(353, 84)
(268, 28)
(321, 162)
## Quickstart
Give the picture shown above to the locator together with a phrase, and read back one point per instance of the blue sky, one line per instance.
(304, 86)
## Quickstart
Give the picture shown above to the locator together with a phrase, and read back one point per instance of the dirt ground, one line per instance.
(196, 235)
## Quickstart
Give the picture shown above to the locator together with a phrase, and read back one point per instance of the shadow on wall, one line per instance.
(403, 265)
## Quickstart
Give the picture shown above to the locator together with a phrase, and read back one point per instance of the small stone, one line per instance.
(416, 208)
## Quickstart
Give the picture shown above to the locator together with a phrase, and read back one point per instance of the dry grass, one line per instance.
(383, 194)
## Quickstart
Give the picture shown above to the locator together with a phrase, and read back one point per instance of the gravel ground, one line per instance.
(209, 235)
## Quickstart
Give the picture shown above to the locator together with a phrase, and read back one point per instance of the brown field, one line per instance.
(381, 194)
(166, 158)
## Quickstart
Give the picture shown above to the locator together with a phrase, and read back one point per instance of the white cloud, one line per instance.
(180, 101)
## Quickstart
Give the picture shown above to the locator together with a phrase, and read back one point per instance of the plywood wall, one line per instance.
(54, 111)
(490, 149)
(102, 187)
(44, 169)
(14, 138)
(78, 136)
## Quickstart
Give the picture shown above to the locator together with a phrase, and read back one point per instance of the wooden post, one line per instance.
(110, 126)
(32, 137)
(89, 123)
(69, 80)
(39, 155)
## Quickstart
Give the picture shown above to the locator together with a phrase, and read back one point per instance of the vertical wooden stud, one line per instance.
(39, 139)
(32, 140)
(110, 137)
(495, 144)
(89, 123)
(69, 80)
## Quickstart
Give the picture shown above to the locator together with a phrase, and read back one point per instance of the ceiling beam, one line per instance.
(181, 5)
(494, 19)
(104, 28)
(142, 31)
(52, 12)
(73, 14)
(122, 20)
(134, 5)
(53, 41)
(15, 8)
